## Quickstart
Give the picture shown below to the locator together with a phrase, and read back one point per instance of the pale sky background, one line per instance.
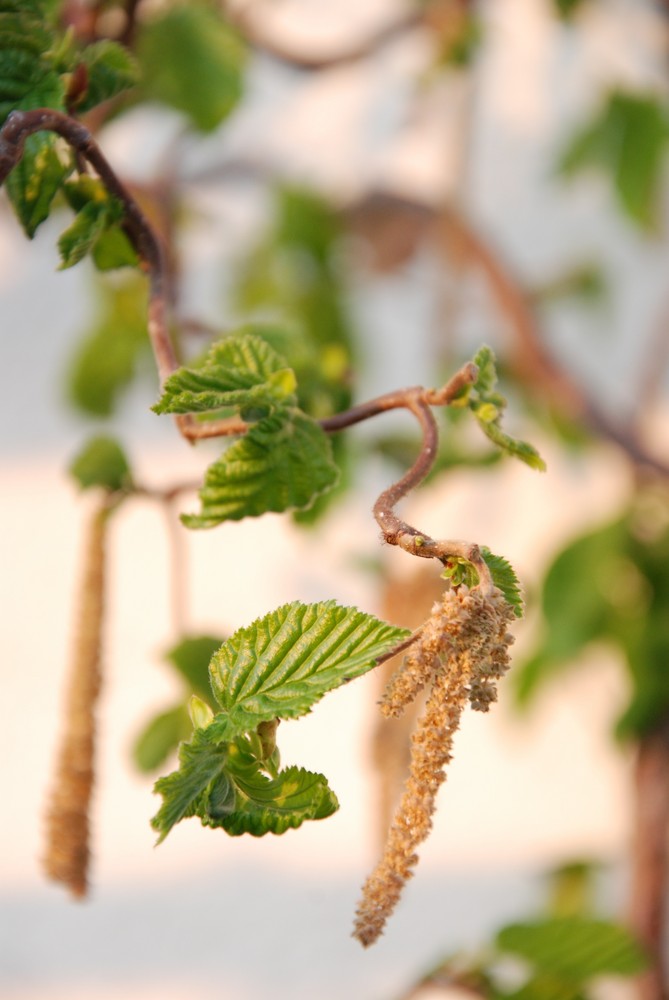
(205, 916)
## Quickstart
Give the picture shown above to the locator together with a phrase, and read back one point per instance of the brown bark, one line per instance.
(650, 856)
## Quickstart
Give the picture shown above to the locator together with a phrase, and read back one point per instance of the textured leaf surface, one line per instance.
(576, 948)
(284, 663)
(504, 577)
(284, 461)
(191, 59)
(252, 802)
(35, 64)
(110, 69)
(201, 761)
(102, 462)
(240, 371)
(488, 406)
(226, 785)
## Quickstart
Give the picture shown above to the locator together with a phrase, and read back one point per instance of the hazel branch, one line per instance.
(13, 134)
(252, 28)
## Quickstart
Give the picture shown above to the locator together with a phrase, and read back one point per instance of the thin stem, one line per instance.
(13, 134)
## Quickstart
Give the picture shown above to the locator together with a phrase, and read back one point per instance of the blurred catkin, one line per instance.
(67, 827)
(462, 647)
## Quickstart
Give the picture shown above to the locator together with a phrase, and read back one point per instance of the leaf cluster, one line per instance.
(293, 278)
(488, 405)
(38, 63)
(283, 461)
(229, 773)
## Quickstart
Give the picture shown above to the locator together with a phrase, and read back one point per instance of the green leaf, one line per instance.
(200, 712)
(226, 786)
(160, 738)
(504, 577)
(35, 181)
(272, 805)
(106, 360)
(488, 406)
(284, 461)
(102, 462)
(191, 657)
(201, 761)
(191, 59)
(627, 138)
(80, 237)
(575, 948)
(241, 371)
(282, 664)
(111, 69)
(113, 249)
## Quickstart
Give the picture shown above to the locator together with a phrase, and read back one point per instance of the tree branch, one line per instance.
(13, 134)
(251, 27)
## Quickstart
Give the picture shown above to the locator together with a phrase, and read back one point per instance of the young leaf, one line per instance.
(488, 406)
(282, 664)
(284, 461)
(191, 59)
(576, 948)
(102, 462)
(226, 785)
(241, 371)
(35, 181)
(160, 737)
(272, 805)
(82, 235)
(504, 577)
(110, 70)
(201, 761)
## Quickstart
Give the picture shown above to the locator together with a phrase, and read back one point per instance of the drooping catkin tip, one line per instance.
(462, 651)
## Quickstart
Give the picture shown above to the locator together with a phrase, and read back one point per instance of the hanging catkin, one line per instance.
(462, 647)
(67, 852)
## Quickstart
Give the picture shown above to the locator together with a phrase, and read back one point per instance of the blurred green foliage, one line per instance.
(611, 585)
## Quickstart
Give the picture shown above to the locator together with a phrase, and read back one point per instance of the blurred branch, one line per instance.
(247, 19)
(396, 225)
(650, 858)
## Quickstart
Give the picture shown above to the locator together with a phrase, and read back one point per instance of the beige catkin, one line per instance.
(67, 851)
(466, 633)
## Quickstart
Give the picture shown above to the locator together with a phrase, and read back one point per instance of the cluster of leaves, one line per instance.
(283, 461)
(187, 56)
(611, 585)
(276, 668)
(293, 277)
(38, 62)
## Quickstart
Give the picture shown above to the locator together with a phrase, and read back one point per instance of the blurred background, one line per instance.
(396, 185)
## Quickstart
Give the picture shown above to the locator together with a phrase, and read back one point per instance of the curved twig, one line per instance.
(13, 134)
(256, 34)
